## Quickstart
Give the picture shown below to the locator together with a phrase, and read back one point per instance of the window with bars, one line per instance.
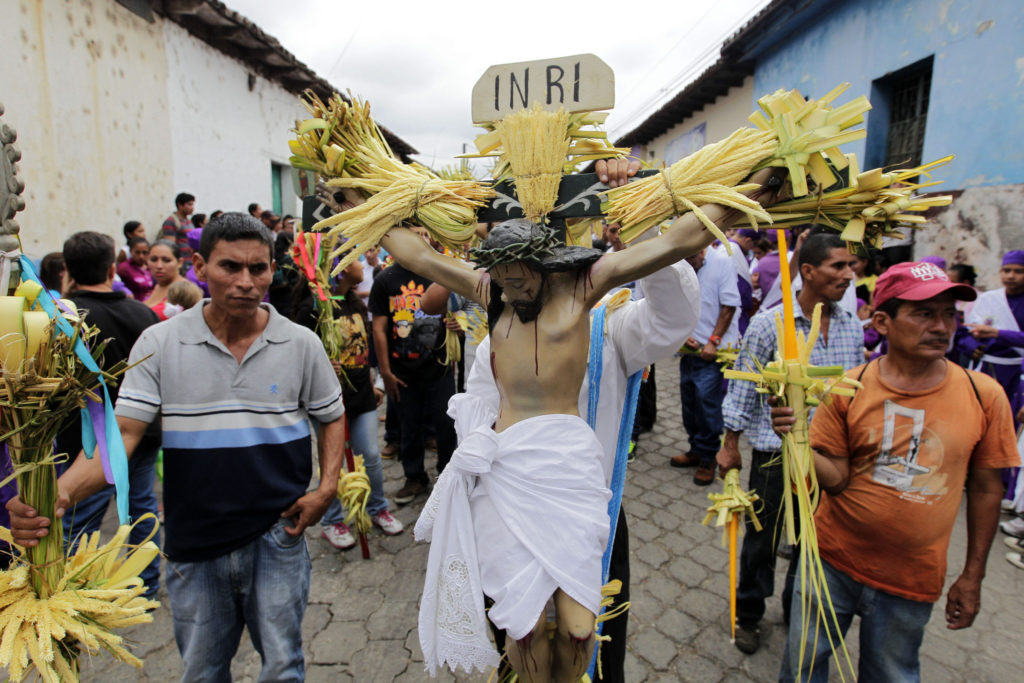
(897, 123)
(908, 113)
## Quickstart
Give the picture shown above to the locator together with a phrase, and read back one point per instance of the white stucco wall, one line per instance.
(223, 136)
(84, 84)
(722, 117)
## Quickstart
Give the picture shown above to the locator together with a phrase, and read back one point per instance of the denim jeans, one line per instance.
(700, 392)
(262, 586)
(362, 431)
(425, 402)
(86, 516)
(757, 557)
(891, 631)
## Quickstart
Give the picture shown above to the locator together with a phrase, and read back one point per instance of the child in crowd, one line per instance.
(134, 272)
(181, 296)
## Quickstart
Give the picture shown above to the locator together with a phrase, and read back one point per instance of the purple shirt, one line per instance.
(768, 271)
(137, 279)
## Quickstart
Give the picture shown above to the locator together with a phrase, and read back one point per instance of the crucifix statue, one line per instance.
(527, 483)
(520, 514)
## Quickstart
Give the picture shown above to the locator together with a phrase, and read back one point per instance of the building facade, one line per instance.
(120, 105)
(943, 78)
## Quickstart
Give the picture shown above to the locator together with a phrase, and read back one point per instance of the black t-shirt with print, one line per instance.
(356, 385)
(415, 339)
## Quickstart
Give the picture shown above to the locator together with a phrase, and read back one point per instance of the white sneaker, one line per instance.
(1006, 505)
(339, 536)
(1013, 527)
(1014, 543)
(388, 523)
(1016, 559)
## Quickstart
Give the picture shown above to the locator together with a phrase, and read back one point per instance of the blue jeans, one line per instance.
(86, 516)
(700, 392)
(362, 432)
(262, 586)
(891, 631)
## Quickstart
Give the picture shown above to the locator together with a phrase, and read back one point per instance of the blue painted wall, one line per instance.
(977, 93)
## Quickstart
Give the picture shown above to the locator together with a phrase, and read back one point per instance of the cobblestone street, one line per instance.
(361, 621)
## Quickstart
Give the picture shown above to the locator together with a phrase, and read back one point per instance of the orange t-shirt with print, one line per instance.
(909, 456)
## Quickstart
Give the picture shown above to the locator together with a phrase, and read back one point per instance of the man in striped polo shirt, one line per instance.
(234, 383)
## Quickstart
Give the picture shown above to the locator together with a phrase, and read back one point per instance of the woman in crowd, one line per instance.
(134, 272)
(359, 394)
(131, 229)
(165, 267)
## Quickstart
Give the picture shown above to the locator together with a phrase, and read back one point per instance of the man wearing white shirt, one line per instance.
(636, 335)
(700, 376)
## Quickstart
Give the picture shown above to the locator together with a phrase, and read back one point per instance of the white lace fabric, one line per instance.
(496, 489)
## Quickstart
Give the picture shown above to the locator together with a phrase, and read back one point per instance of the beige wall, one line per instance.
(84, 84)
(722, 117)
(224, 133)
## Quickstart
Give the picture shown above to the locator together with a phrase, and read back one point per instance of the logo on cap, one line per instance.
(928, 271)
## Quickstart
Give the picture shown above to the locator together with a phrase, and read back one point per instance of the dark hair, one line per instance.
(252, 207)
(890, 307)
(267, 214)
(818, 246)
(129, 228)
(216, 214)
(232, 227)
(965, 272)
(175, 249)
(50, 269)
(183, 198)
(88, 256)
(135, 240)
(198, 220)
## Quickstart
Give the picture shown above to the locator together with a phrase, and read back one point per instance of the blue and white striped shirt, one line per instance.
(237, 446)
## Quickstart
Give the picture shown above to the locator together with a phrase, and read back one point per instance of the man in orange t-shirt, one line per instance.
(894, 460)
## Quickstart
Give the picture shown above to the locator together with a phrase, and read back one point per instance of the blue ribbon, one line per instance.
(99, 425)
(595, 369)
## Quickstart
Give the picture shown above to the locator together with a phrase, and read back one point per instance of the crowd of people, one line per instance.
(205, 295)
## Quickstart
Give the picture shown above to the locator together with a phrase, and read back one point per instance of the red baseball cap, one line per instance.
(917, 281)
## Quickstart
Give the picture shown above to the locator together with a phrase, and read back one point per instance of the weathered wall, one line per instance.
(982, 224)
(224, 136)
(722, 117)
(84, 84)
(976, 108)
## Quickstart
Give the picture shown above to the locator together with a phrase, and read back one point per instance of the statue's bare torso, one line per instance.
(539, 365)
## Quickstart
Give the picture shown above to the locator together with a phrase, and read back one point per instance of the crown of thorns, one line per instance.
(513, 241)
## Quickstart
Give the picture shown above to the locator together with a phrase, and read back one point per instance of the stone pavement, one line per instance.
(361, 621)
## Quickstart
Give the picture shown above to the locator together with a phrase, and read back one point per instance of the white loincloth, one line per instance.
(515, 515)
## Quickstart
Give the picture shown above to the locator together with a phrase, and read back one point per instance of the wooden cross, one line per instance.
(576, 83)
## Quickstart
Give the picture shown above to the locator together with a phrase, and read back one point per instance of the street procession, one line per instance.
(305, 379)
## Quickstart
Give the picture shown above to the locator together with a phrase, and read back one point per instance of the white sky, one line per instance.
(416, 62)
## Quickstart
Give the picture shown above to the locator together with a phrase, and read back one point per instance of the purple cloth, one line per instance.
(191, 277)
(750, 233)
(935, 260)
(1014, 258)
(193, 236)
(768, 270)
(746, 302)
(137, 279)
(1008, 376)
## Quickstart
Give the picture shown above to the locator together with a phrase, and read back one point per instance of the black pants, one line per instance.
(423, 402)
(757, 558)
(646, 406)
(613, 654)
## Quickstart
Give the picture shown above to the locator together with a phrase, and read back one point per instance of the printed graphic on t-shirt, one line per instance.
(356, 353)
(414, 334)
(904, 470)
